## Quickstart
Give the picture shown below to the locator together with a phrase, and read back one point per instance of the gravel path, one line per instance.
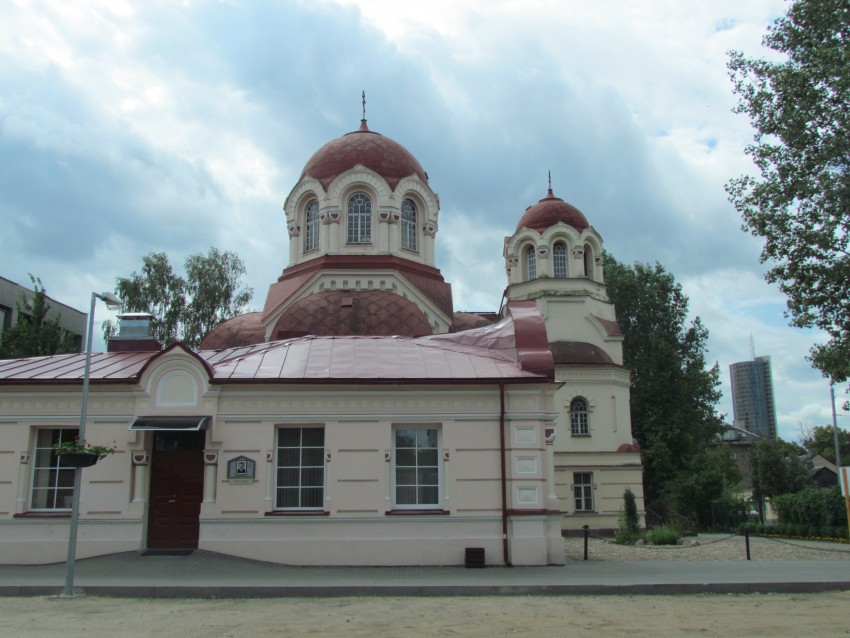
(710, 547)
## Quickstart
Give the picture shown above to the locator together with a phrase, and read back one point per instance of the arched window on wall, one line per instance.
(311, 226)
(530, 263)
(578, 417)
(559, 260)
(408, 225)
(588, 261)
(359, 219)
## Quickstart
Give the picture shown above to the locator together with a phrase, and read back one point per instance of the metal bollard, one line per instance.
(747, 542)
(586, 529)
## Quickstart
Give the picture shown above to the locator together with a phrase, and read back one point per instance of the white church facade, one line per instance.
(358, 419)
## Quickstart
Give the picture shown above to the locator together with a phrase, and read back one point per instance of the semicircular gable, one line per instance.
(359, 175)
(176, 378)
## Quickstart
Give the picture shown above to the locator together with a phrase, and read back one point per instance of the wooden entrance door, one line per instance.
(176, 490)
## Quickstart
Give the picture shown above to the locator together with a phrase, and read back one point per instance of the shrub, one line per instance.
(663, 536)
(628, 530)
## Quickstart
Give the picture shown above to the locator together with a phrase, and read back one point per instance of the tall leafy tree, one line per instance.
(821, 440)
(799, 201)
(705, 491)
(674, 393)
(35, 335)
(777, 469)
(185, 308)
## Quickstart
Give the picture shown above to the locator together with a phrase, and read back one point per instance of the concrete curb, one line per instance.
(337, 591)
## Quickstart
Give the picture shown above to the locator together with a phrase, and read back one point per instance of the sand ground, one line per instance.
(826, 614)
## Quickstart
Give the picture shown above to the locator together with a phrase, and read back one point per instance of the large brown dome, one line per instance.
(378, 153)
(549, 211)
(244, 330)
(352, 312)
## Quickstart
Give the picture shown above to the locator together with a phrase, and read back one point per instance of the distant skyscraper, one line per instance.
(752, 396)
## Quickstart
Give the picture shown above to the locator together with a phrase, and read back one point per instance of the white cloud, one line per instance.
(130, 128)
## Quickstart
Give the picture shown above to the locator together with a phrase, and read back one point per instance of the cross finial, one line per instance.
(550, 180)
(364, 104)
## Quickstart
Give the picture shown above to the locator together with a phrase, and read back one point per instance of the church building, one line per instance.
(358, 419)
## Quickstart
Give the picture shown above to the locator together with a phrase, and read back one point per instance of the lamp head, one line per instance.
(112, 302)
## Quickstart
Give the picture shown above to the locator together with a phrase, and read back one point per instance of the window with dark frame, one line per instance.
(583, 491)
(300, 468)
(417, 467)
(52, 484)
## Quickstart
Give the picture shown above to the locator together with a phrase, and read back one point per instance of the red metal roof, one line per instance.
(353, 312)
(386, 157)
(514, 349)
(549, 211)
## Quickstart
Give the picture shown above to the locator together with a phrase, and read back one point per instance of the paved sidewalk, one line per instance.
(208, 575)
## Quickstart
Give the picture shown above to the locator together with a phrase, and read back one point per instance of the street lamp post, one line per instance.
(835, 428)
(113, 303)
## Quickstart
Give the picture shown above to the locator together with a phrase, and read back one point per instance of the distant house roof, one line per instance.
(515, 349)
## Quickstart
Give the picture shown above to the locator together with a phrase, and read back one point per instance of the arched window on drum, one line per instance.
(359, 219)
(578, 417)
(408, 225)
(559, 260)
(530, 263)
(311, 226)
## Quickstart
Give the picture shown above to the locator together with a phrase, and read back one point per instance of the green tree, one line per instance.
(821, 440)
(185, 309)
(800, 200)
(674, 393)
(777, 469)
(34, 335)
(704, 491)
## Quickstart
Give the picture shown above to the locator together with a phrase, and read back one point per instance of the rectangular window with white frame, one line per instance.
(583, 491)
(52, 484)
(416, 468)
(300, 483)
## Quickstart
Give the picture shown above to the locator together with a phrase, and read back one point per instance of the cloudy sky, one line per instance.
(132, 127)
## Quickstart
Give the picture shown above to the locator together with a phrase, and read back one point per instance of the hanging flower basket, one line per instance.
(78, 453)
(78, 459)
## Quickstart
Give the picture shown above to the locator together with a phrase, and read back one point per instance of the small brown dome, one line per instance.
(467, 320)
(579, 353)
(349, 312)
(244, 330)
(549, 211)
(387, 158)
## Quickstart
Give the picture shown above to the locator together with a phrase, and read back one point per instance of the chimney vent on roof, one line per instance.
(134, 334)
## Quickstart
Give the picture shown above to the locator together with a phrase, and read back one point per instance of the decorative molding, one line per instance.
(140, 458)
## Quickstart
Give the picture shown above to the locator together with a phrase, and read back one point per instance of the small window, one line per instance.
(531, 263)
(408, 225)
(588, 262)
(559, 260)
(359, 219)
(300, 468)
(417, 468)
(578, 417)
(583, 491)
(52, 484)
(311, 226)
